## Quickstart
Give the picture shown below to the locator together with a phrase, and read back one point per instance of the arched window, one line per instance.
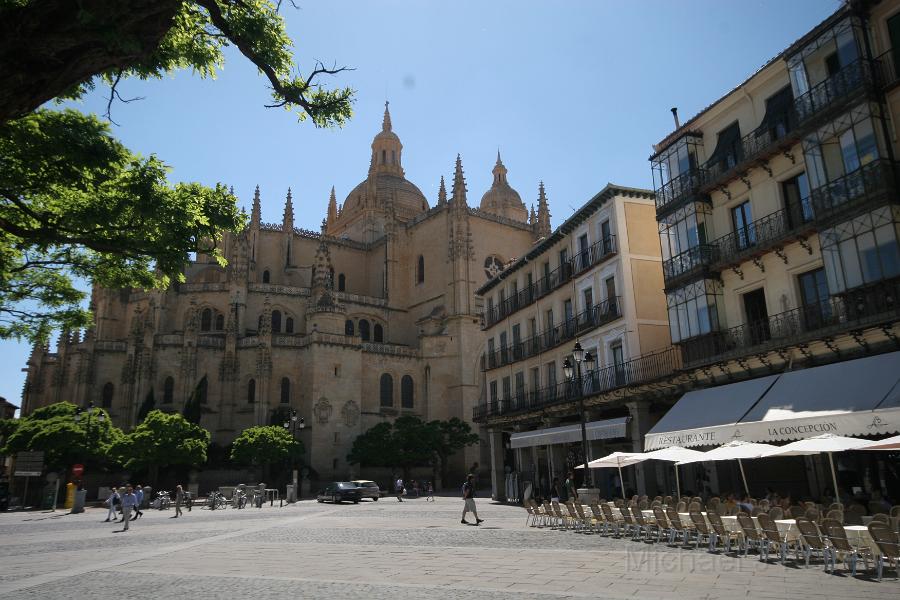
(168, 390)
(251, 391)
(289, 325)
(420, 270)
(220, 322)
(364, 330)
(387, 390)
(204, 389)
(406, 392)
(378, 333)
(342, 283)
(348, 327)
(206, 320)
(276, 321)
(285, 390)
(108, 391)
(266, 276)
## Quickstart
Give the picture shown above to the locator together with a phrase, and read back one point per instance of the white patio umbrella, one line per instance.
(826, 443)
(674, 454)
(617, 460)
(734, 450)
(891, 443)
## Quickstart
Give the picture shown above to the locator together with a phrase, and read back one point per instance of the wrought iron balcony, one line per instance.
(582, 261)
(677, 191)
(864, 307)
(763, 235)
(643, 369)
(830, 96)
(690, 263)
(595, 254)
(867, 187)
(770, 138)
(600, 314)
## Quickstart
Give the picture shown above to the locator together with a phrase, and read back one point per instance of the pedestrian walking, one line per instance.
(429, 491)
(571, 488)
(129, 500)
(139, 494)
(398, 488)
(179, 499)
(468, 494)
(112, 502)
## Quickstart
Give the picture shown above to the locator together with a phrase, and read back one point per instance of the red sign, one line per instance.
(77, 470)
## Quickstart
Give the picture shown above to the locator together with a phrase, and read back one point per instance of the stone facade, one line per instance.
(374, 317)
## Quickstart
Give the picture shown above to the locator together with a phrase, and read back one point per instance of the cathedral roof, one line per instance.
(502, 199)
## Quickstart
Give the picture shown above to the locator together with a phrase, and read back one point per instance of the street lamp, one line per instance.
(101, 416)
(294, 424)
(573, 373)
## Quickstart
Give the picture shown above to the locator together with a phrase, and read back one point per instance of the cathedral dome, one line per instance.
(502, 200)
(407, 198)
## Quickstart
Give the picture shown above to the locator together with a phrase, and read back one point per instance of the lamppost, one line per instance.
(101, 416)
(573, 373)
(294, 424)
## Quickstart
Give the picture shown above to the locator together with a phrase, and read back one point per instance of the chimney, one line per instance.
(674, 110)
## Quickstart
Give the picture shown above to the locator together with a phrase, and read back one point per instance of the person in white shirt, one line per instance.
(398, 488)
(129, 501)
(112, 502)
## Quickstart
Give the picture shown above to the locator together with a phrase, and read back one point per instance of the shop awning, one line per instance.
(850, 398)
(707, 417)
(596, 430)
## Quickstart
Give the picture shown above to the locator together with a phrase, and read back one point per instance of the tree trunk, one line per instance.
(49, 47)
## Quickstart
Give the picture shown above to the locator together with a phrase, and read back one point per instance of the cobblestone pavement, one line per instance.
(377, 550)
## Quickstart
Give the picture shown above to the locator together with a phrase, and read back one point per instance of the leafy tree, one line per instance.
(74, 202)
(64, 440)
(146, 406)
(266, 446)
(162, 440)
(406, 443)
(193, 410)
(449, 438)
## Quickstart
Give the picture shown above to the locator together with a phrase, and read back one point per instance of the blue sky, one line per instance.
(572, 93)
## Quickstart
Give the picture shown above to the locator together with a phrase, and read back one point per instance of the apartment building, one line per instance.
(779, 217)
(597, 281)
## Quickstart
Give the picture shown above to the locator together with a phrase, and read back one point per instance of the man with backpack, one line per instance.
(468, 494)
(112, 502)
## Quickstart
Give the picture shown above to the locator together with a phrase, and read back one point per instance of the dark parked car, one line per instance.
(339, 491)
(369, 489)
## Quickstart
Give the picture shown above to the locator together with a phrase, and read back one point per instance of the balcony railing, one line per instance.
(594, 254)
(866, 186)
(759, 144)
(830, 95)
(640, 370)
(600, 314)
(674, 192)
(690, 262)
(582, 261)
(762, 234)
(887, 64)
(858, 308)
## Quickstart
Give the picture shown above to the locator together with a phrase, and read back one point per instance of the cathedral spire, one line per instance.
(255, 212)
(459, 185)
(386, 123)
(532, 219)
(499, 171)
(332, 209)
(542, 229)
(442, 193)
(288, 222)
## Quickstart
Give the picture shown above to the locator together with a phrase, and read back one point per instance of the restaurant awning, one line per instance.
(596, 430)
(707, 417)
(850, 398)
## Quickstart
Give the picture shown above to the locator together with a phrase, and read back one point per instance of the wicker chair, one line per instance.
(662, 524)
(598, 518)
(681, 506)
(773, 536)
(694, 506)
(643, 504)
(628, 520)
(888, 543)
(550, 518)
(841, 546)
(837, 515)
(531, 515)
(776, 513)
(836, 506)
(797, 511)
(719, 531)
(813, 515)
(753, 537)
(609, 518)
(701, 529)
(561, 519)
(643, 525)
(584, 520)
(883, 517)
(854, 514)
(814, 542)
(668, 501)
(677, 526)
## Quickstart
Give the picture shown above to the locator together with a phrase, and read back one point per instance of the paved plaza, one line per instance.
(374, 550)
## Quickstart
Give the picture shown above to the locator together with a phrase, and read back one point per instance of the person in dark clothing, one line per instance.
(468, 494)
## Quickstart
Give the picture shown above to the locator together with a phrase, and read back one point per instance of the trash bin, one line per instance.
(80, 497)
(289, 493)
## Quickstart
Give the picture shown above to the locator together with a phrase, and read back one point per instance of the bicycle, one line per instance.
(216, 501)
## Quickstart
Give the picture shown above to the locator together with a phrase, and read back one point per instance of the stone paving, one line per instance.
(377, 550)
